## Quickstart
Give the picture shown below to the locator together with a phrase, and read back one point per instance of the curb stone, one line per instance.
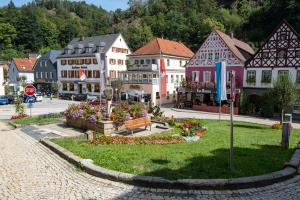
(87, 165)
(14, 125)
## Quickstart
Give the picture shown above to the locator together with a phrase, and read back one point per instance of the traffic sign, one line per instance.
(30, 100)
(29, 90)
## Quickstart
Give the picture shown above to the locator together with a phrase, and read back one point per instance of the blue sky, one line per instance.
(106, 4)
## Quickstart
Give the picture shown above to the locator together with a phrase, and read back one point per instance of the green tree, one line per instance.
(7, 35)
(137, 35)
(284, 93)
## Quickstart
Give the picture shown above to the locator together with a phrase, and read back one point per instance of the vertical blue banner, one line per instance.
(218, 80)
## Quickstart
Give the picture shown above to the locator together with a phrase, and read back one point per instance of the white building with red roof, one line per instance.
(20, 71)
(141, 80)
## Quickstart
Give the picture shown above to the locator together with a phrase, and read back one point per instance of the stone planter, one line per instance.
(105, 127)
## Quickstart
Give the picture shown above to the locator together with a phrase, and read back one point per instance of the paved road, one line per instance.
(39, 108)
(28, 170)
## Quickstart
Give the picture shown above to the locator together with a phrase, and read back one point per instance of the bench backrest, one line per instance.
(137, 122)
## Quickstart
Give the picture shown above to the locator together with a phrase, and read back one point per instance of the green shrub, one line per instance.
(268, 106)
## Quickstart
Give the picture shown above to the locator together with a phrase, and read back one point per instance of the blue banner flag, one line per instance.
(221, 81)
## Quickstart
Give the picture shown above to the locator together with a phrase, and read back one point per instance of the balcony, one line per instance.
(142, 67)
(153, 81)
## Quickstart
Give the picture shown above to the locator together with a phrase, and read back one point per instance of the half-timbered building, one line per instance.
(200, 71)
(278, 56)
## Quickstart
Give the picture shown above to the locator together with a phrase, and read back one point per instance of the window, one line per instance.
(71, 85)
(81, 61)
(95, 61)
(51, 75)
(297, 54)
(46, 74)
(87, 61)
(148, 61)
(77, 74)
(210, 56)
(70, 62)
(64, 74)
(41, 75)
(88, 73)
(281, 54)
(265, 54)
(142, 62)
(181, 78)
(180, 63)
(112, 74)
(177, 78)
(195, 76)
(251, 76)
(88, 87)
(298, 76)
(207, 76)
(136, 62)
(96, 87)
(113, 49)
(63, 62)
(172, 79)
(153, 61)
(37, 74)
(266, 76)
(283, 36)
(217, 56)
(154, 75)
(65, 87)
(283, 73)
(168, 62)
(112, 61)
(120, 62)
(167, 78)
(96, 74)
(71, 74)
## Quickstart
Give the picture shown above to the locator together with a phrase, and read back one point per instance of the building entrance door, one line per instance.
(79, 88)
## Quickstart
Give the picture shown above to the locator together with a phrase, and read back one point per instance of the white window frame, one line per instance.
(205, 78)
(37, 74)
(195, 76)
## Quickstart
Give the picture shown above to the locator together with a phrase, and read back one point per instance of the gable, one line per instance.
(281, 49)
(214, 47)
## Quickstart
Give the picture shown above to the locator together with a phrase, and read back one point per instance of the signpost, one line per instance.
(30, 90)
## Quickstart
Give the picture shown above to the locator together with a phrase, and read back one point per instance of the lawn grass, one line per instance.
(256, 151)
(36, 120)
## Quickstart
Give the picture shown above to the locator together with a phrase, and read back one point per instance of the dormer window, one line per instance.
(283, 36)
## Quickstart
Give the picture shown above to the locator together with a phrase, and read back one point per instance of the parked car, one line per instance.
(80, 97)
(12, 98)
(38, 97)
(65, 96)
(96, 101)
(4, 100)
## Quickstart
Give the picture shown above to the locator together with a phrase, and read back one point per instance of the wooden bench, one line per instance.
(137, 123)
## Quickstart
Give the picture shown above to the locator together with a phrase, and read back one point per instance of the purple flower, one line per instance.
(127, 117)
(75, 115)
(145, 114)
(92, 119)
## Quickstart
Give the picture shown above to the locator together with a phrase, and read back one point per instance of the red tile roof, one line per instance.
(234, 45)
(166, 47)
(24, 64)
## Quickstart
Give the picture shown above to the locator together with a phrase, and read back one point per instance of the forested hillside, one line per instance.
(51, 24)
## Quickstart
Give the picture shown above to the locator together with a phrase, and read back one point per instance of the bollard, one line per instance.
(286, 131)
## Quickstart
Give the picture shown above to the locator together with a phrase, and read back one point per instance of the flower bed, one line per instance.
(88, 117)
(105, 140)
(19, 116)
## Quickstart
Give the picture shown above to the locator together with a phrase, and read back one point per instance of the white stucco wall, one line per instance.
(259, 84)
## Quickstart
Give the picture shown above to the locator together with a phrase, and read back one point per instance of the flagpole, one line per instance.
(159, 72)
(231, 120)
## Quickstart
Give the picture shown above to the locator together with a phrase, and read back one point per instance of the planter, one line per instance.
(105, 127)
(200, 132)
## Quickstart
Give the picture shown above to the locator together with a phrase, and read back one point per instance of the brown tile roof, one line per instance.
(234, 45)
(167, 47)
(24, 64)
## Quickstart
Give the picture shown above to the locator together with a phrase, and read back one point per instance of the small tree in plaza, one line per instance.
(284, 93)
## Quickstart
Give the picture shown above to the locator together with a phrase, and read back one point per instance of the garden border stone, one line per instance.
(289, 171)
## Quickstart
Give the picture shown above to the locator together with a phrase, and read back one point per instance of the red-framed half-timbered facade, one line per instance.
(278, 56)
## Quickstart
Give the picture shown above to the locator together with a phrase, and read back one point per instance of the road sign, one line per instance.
(30, 100)
(29, 90)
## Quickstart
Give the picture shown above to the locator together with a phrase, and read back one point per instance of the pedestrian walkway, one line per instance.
(184, 113)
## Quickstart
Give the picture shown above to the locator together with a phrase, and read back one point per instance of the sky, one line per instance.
(106, 4)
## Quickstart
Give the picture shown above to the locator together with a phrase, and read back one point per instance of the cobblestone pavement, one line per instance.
(28, 170)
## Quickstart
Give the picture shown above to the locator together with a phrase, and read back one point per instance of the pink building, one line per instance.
(200, 71)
